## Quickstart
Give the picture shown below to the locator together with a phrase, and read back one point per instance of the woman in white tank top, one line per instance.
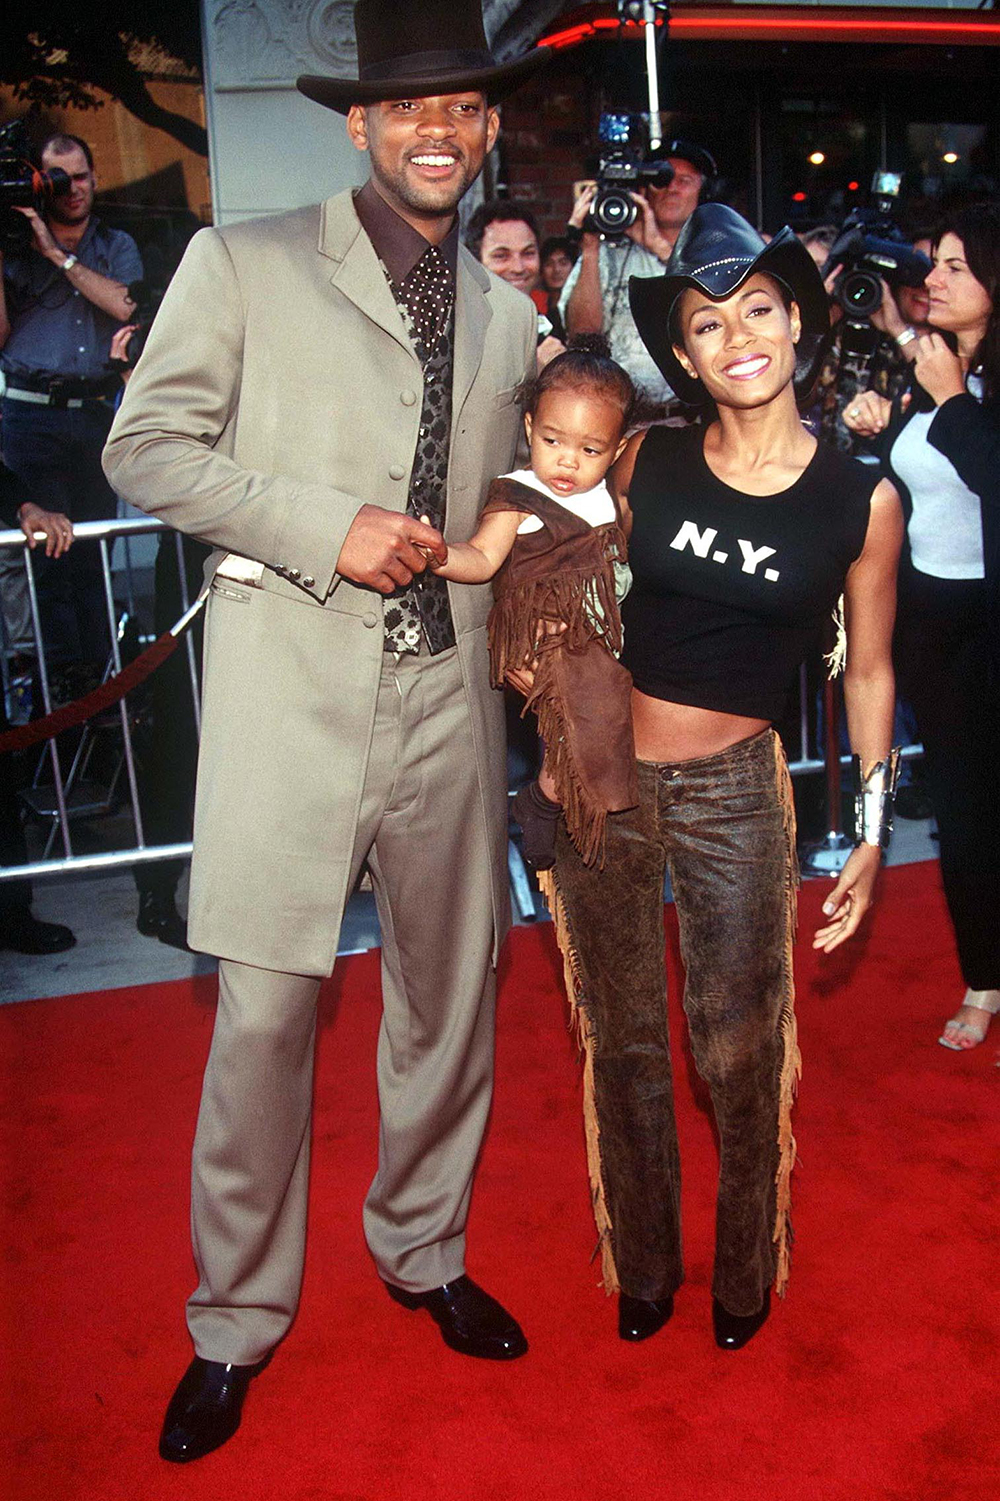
(944, 453)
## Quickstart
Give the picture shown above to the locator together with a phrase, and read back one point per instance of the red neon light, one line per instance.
(776, 23)
(798, 197)
(574, 34)
(852, 187)
(746, 25)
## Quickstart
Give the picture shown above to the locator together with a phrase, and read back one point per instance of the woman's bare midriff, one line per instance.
(681, 732)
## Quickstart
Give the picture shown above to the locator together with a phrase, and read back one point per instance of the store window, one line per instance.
(828, 152)
(944, 158)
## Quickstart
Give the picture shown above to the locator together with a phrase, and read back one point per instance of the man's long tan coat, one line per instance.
(277, 393)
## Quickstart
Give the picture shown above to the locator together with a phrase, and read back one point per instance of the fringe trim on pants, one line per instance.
(791, 1068)
(584, 818)
(585, 1036)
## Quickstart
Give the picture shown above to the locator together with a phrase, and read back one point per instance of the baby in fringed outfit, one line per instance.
(551, 537)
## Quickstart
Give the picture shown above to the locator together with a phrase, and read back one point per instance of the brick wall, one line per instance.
(545, 140)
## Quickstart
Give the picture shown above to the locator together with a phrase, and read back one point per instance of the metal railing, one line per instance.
(105, 533)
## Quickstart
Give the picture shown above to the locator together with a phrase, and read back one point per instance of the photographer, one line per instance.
(595, 296)
(885, 370)
(62, 295)
(878, 307)
(941, 444)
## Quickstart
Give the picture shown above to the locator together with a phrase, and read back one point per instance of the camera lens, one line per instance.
(860, 292)
(613, 212)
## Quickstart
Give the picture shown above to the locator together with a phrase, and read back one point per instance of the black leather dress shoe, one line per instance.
(205, 1409)
(159, 918)
(29, 935)
(638, 1318)
(732, 1330)
(470, 1321)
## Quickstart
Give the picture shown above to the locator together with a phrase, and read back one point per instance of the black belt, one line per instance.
(61, 388)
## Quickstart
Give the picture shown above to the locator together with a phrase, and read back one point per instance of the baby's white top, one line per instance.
(595, 506)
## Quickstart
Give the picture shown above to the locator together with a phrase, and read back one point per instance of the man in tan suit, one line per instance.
(313, 386)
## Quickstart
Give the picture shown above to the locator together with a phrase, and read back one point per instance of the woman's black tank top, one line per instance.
(731, 591)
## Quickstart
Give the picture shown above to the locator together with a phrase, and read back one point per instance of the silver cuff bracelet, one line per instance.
(873, 795)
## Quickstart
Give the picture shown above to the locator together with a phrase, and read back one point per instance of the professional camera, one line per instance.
(147, 299)
(23, 186)
(623, 168)
(871, 249)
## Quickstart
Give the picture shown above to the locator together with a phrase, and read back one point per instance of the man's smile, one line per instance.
(435, 163)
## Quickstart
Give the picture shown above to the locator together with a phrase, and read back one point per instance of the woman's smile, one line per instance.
(746, 366)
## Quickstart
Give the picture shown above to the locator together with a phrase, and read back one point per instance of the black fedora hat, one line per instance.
(716, 251)
(420, 48)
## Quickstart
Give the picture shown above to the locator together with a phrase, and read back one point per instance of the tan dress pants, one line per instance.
(421, 831)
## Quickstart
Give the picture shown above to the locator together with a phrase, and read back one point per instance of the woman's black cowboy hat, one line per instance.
(419, 49)
(716, 251)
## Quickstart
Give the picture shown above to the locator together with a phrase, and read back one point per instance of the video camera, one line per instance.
(871, 249)
(23, 185)
(623, 168)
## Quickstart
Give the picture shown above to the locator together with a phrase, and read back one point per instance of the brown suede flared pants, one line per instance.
(724, 826)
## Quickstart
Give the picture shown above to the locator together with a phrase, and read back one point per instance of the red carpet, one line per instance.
(877, 1377)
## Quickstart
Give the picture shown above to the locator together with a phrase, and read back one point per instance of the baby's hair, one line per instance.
(587, 363)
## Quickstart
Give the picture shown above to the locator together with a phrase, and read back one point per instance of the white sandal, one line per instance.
(985, 1001)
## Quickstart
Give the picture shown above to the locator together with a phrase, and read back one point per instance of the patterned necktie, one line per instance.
(426, 299)
(428, 294)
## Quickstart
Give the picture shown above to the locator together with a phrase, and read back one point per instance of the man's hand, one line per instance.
(583, 197)
(937, 369)
(52, 527)
(384, 549)
(110, 296)
(547, 350)
(645, 231)
(42, 238)
(887, 318)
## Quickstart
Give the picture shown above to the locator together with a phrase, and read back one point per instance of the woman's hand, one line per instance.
(56, 528)
(868, 414)
(937, 369)
(850, 898)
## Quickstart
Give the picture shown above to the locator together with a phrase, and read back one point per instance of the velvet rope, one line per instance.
(104, 697)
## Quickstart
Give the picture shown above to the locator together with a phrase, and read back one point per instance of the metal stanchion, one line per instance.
(123, 711)
(188, 639)
(43, 677)
(828, 856)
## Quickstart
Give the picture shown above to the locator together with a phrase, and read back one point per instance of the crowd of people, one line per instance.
(668, 528)
(65, 308)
